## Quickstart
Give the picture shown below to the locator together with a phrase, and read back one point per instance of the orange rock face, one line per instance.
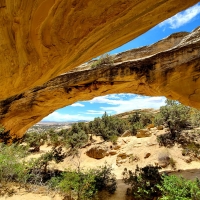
(40, 39)
(170, 67)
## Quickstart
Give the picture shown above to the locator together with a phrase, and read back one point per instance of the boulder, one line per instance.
(163, 159)
(143, 133)
(97, 151)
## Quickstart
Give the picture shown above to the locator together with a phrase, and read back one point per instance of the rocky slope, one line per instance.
(40, 39)
(170, 67)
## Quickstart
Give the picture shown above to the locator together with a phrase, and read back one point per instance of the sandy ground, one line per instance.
(129, 145)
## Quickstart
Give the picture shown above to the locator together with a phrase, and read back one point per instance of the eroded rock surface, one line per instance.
(40, 39)
(172, 72)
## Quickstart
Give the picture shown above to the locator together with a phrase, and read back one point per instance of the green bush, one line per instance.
(38, 168)
(178, 188)
(35, 140)
(195, 117)
(105, 179)
(108, 126)
(158, 120)
(143, 182)
(76, 137)
(80, 184)
(176, 116)
(139, 120)
(54, 138)
(12, 163)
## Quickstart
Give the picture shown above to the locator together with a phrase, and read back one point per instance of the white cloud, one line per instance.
(182, 18)
(77, 105)
(112, 104)
(136, 103)
(59, 117)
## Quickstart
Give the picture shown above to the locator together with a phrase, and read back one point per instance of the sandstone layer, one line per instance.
(170, 68)
(40, 39)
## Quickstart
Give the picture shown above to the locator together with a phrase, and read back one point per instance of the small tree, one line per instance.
(176, 116)
(143, 182)
(108, 126)
(35, 140)
(76, 137)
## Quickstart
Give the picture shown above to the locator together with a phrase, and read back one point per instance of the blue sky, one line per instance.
(186, 20)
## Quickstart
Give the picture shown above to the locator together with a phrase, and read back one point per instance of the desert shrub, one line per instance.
(173, 187)
(34, 140)
(104, 59)
(12, 163)
(108, 126)
(143, 182)
(54, 138)
(176, 116)
(135, 117)
(166, 140)
(105, 179)
(146, 118)
(80, 184)
(76, 137)
(195, 117)
(191, 149)
(135, 127)
(158, 120)
(139, 120)
(38, 168)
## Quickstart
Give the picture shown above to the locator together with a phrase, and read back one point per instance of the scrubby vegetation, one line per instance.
(147, 183)
(108, 127)
(104, 59)
(173, 187)
(85, 184)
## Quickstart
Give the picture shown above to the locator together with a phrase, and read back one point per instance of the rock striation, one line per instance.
(41, 39)
(170, 68)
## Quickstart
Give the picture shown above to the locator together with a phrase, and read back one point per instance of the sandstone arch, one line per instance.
(170, 67)
(40, 39)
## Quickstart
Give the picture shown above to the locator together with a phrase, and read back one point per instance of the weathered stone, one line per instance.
(116, 147)
(126, 133)
(43, 39)
(143, 133)
(97, 151)
(161, 69)
(149, 126)
(122, 155)
(146, 155)
(160, 127)
(112, 152)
